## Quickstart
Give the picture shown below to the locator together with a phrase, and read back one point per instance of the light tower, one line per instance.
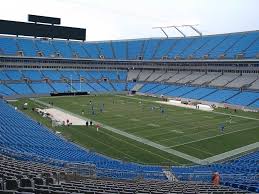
(178, 28)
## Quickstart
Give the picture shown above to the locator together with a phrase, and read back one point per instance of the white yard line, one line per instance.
(211, 137)
(232, 153)
(215, 112)
(189, 135)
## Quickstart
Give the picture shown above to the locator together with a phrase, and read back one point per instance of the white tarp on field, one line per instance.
(62, 117)
(178, 103)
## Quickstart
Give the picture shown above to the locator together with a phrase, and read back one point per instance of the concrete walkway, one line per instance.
(193, 159)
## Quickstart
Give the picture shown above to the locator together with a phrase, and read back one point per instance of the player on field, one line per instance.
(222, 127)
(230, 119)
(162, 111)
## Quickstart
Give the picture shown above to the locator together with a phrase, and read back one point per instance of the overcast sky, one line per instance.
(126, 19)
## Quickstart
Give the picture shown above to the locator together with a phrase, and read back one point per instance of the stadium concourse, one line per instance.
(220, 70)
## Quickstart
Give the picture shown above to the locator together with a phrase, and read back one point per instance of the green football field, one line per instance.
(192, 132)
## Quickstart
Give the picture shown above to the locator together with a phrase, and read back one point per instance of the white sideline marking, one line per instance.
(215, 112)
(176, 131)
(153, 125)
(208, 117)
(133, 119)
(231, 153)
(211, 137)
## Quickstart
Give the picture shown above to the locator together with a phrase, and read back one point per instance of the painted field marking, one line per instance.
(211, 137)
(134, 119)
(215, 112)
(208, 117)
(153, 125)
(176, 131)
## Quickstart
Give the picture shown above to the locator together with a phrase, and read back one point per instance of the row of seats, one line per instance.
(60, 74)
(239, 173)
(22, 88)
(23, 135)
(19, 176)
(230, 96)
(229, 80)
(212, 46)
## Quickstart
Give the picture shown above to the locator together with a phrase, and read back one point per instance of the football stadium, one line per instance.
(169, 114)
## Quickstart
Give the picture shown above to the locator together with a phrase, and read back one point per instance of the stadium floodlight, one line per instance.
(193, 28)
(161, 28)
(177, 27)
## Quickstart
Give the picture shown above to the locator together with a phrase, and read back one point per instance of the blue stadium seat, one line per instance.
(135, 49)
(181, 91)
(164, 47)
(32, 74)
(78, 49)
(27, 46)
(105, 49)
(45, 47)
(225, 45)
(119, 48)
(8, 46)
(220, 95)
(41, 88)
(91, 50)
(150, 48)
(199, 93)
(20, 88)
(119, 86)
(13, 74)
(179, 46)
(62, 87)
(6, 91)
(244, 98)
(63, 48)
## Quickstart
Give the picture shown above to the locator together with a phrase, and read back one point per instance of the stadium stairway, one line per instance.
(208, 94)
(169, 89)
(194, 88)
(137, 87)
(208, 83)
(253, 102)
(6, 85)
(231, 81)
(169, 175)
(232, 96)
(50, 85)
(29, 86)
(112, 86)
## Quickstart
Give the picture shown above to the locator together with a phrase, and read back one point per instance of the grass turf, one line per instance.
(190, 131)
